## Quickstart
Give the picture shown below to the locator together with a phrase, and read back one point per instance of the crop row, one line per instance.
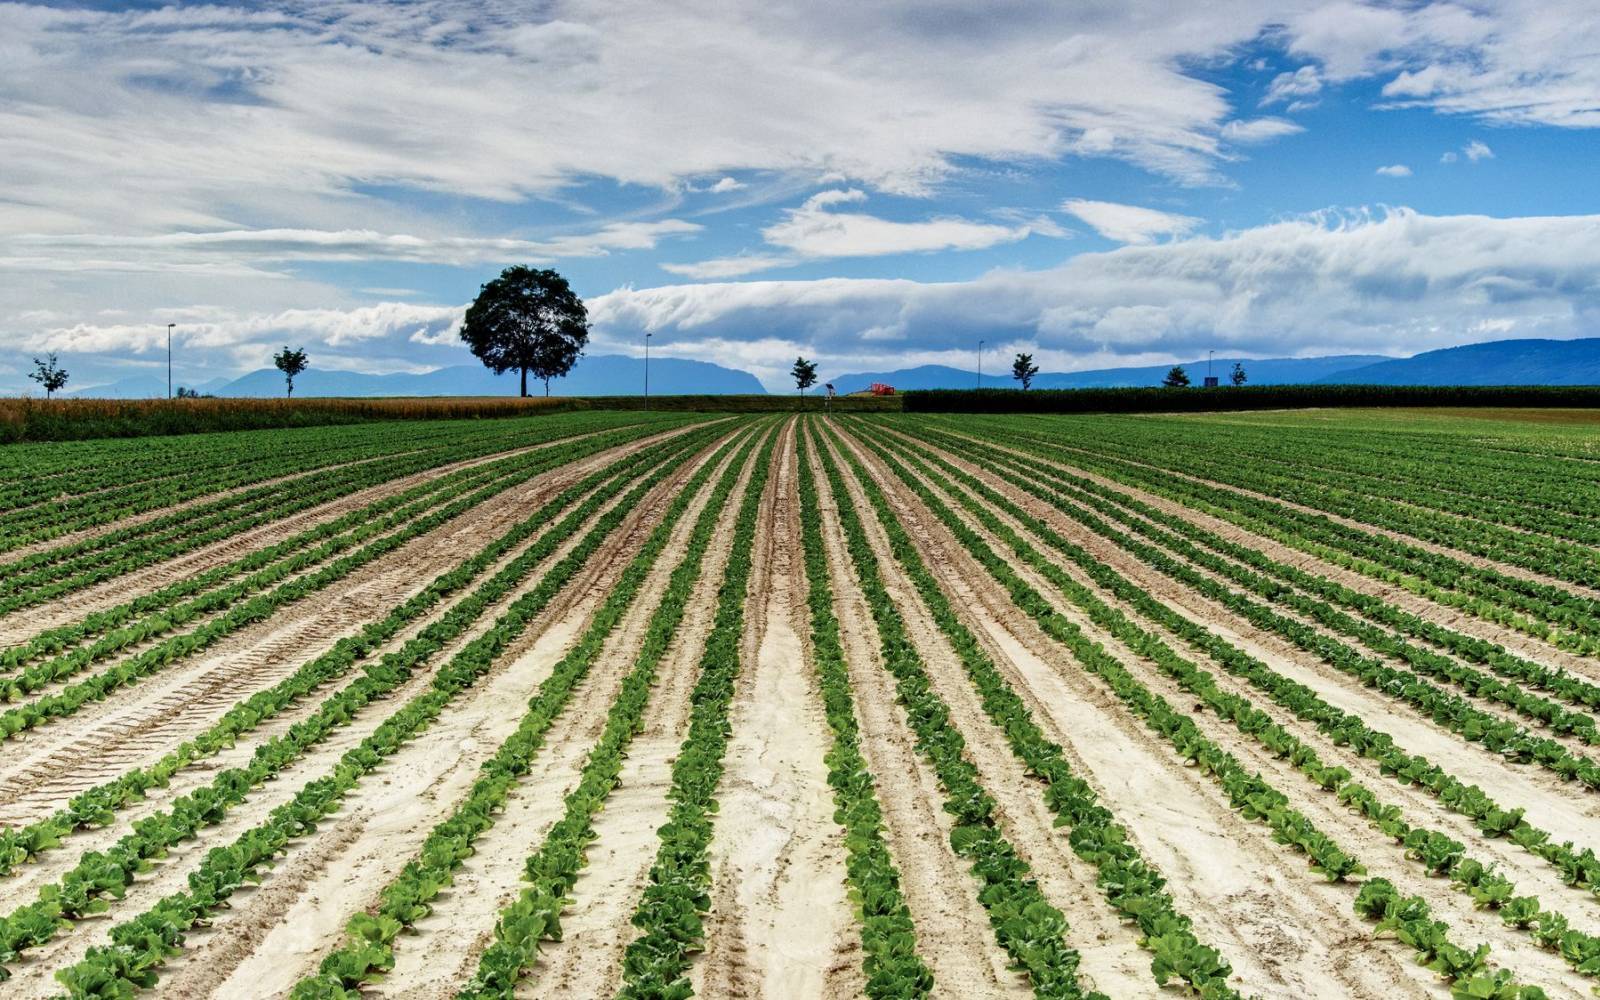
(1133, 886)
(1030, 928)
(97, 806)
(1466, 968)
(553, 868)
(55, 572)
(141, 945)
(84, 889)
(893, 967)
(1541, 610)
(670, 913)
(316, 547)
(369, 937)
(1434, 852)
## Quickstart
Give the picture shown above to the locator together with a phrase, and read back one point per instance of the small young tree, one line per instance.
(291, 363)
(1238, 375)
(1023, 370)
(48, 374)
(805, 374)
(527, 320)
(1177, 378)
(184, 392)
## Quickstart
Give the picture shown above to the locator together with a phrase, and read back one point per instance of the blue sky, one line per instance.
(873, 186)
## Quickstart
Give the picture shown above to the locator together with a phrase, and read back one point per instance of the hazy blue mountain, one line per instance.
(595, 375)
(1261, 371)
(1500, 362)
(132, 387)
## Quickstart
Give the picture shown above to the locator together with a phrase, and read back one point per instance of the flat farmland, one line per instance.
(658, 705)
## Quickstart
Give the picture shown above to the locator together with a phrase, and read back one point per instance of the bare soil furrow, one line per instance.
(1284, 930)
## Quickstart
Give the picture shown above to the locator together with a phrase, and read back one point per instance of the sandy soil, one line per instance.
(781, 924)
(433, 770)
(1281, 930)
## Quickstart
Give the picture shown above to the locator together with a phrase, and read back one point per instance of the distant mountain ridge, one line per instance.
(1499, 362)
(593, 375)
(1260, 371)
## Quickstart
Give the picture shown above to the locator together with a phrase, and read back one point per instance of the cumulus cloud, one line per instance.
(1298, 85)
(1392, 282)
(1395, 170)
(1475, 151)
(725, 185)
(1129, 223)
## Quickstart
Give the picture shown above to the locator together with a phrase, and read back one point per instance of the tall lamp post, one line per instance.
(980, 364)
(169, 359)
(647, 337)
(1208, 363)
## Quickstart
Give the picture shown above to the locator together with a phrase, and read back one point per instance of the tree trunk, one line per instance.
(547, 388)
(524, 382)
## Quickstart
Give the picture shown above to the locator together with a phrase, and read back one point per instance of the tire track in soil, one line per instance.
(443, 952)
(1283, 930)
(1452, 618)
(390, 814)
(781, 923)
(953, 932)
(136, 725)
(22, 885)
(19, 626)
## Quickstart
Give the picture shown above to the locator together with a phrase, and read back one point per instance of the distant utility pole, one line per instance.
(980, 364)
(1208, 363)
(647, 337)
(169, 359)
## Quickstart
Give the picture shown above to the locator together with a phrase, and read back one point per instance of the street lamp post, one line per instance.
(169, 359)
(980, 364)
(647, 337)
(1208, 363)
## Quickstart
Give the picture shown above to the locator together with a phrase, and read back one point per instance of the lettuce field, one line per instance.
(668, 704)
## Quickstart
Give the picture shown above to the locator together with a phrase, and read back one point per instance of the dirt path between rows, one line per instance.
(1283, 931)
(427, 774)
(781, 924)
(136, 725)
(1452, 618)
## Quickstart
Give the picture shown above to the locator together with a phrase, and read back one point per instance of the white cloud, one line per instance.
(1129, 223)
(1302, 83)
(728, 267)
(245, 251)
(1395, 170)
(725, 185)
(815, 230)
(1396, 282)
(1259, 129)
(1475, 151)
(1449, 157)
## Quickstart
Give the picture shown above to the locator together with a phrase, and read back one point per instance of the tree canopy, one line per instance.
(291, 363)
(1023, 370)
(527, 320)
(1238, 376)
(805, 373)
(1177, 378)
(49, 374)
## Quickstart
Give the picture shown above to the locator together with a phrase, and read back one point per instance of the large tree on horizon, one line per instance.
(527, 320)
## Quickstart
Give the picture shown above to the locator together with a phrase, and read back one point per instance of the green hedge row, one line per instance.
(1259, 397)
